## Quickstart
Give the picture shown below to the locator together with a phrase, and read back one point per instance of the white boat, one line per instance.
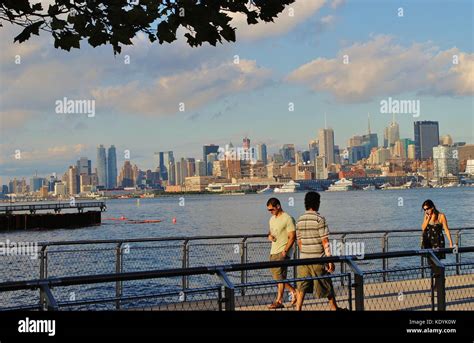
(369, 188)
(266, 190)
(341, 186)
(289, 187)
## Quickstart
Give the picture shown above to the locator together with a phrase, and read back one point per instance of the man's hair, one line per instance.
(274, 202)
(312, 200)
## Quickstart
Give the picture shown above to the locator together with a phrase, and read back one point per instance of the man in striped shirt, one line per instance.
(313, 241)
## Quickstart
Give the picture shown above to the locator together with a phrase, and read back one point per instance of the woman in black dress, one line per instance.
(433, 224)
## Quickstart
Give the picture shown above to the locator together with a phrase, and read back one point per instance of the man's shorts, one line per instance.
(321, 287)
(279, 273)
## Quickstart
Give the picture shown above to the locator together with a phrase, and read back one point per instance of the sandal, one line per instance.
(275, 306)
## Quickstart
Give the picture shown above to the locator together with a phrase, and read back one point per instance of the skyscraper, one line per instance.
(262, 153)
(391, 133)
(206, 150)
(326, 145)
(84, 166)
(112, 167)
(101, 166)
(165, 160)
(246, 143)
(426, 138)
(445, 161)
(288, 152)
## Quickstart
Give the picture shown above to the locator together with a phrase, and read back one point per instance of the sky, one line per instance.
(336, 59)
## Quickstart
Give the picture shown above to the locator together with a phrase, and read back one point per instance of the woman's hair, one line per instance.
(431, 204)
(312, 200)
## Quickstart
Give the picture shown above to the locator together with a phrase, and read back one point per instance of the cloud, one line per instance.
(194, 89)
(292, 15)
(381, 67)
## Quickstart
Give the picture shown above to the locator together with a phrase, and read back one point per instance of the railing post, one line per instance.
(358, 284)
(440, 280)
(243, 260)
(118, 269)
(185, 263)
(343, 265)
(50, 301)
(42, 276)
(384, 260)
(229, 291)
(458, 255)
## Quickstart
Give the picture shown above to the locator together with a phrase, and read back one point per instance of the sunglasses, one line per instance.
(272, 209)
(427, 209)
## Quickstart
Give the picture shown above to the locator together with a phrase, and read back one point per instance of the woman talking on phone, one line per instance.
(433, 224)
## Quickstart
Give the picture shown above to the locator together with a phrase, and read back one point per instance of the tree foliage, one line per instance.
(116, 22)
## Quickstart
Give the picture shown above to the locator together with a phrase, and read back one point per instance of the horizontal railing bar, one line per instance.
(151, 274)
(222, 237)
(274, 282)
(135, 297)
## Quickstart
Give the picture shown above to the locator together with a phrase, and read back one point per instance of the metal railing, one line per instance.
(56, 206)
(358, 290)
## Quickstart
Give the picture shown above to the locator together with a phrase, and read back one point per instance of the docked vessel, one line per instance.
(289, 187)
(341, 186)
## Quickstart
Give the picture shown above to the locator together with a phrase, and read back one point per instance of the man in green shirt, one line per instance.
(282, 234)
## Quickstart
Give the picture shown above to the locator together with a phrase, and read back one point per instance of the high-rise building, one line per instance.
(84, 166)
(112, 167)
(445, 161)
(411, 152)
(262, 153)
(426, 138)
(101, 166)
(200, 168)
(391, 133)
(126, 176)
(206, 150)
(36, 183)
(211, 158)
(398, 150)
(190, 167)
(246, 143)
(72, 184)
(320, 168)
(165, 160)
(288, 152)
(313, 150)
(178, 176)
(326, 145)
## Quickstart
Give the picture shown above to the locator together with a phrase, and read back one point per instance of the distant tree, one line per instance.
(116, 22)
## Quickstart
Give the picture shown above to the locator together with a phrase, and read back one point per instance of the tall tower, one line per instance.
(326, 145)
(112, 167)
(101, 166)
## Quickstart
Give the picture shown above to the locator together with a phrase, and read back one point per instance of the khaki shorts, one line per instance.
(279, 273)
(321, 287)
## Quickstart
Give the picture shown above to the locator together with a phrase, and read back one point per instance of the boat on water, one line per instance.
(369, 188)
(341, 186)
(289, 187)
(266, 190)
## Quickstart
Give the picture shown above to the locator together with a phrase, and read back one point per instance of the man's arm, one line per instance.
(291, 240)
(327, 252)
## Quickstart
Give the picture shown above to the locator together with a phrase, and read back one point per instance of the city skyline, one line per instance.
(287, 79)
(162, 160)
